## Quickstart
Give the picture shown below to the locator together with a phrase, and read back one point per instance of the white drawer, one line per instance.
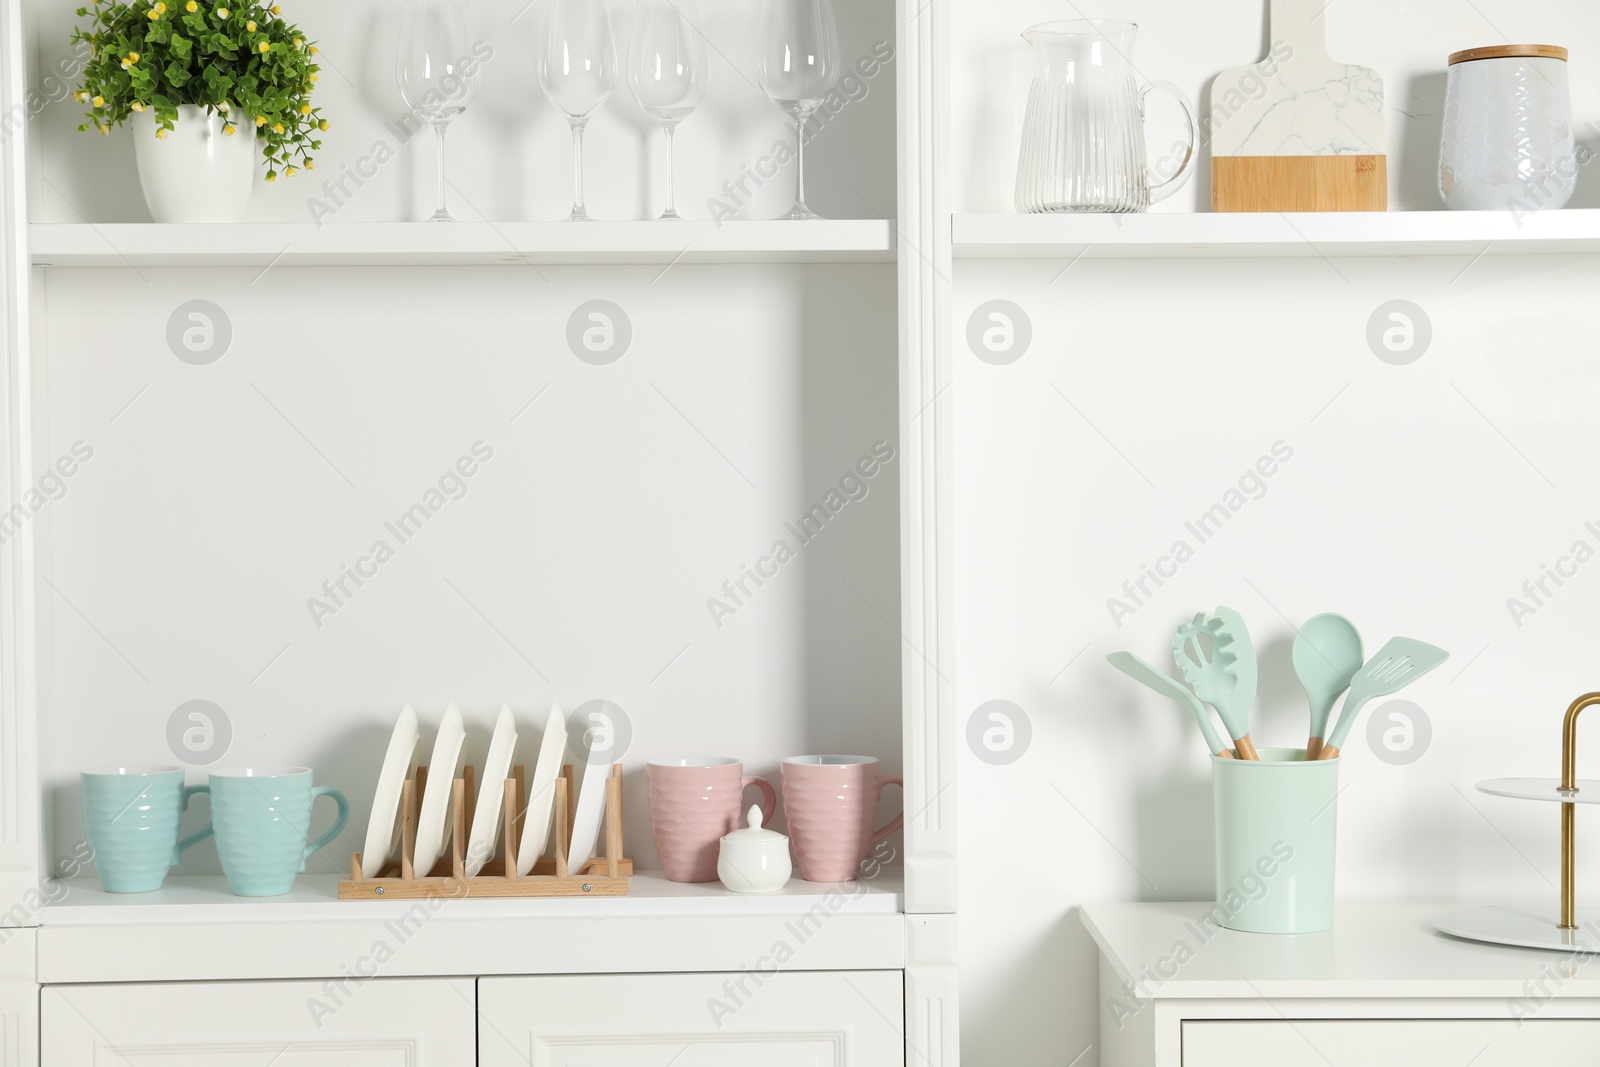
(386, 1022)
(1389, 1042)
(800, 1019)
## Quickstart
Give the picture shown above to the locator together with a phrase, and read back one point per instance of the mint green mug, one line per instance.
(263, 823)
(130, 819)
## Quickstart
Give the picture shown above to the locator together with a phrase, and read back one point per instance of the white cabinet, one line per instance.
(787, 1019)
(1388, 1042)
(390, 1022)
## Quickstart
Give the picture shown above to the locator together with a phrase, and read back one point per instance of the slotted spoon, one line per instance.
(1395, 666)
(1208, 652)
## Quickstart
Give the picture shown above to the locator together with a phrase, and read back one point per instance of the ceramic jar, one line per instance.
(754, 860)
(1508, 140)
(197, 172)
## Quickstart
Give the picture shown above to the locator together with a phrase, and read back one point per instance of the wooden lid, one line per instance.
(1510, 51)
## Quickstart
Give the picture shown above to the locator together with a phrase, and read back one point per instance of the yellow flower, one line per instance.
(98, 101)
(152, 14)
(323, 125)
(133, 57)
(263, 47)
(103, 130)
(261, 120)
(314, 78)
(251, 26)
(191, 6)
(222, 12)
(305, 109)
(311, 51)
(276, 10)
(298, 42)
(161, 6)
(311, 164)
(161, 133)
(272, 176)
(228, 130)
(277, 127)
(136, 106)
(288, 172)
(80, 96)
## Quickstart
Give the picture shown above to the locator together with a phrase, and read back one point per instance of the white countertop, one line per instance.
(315, 897)
(1376, 949)
(194, 929)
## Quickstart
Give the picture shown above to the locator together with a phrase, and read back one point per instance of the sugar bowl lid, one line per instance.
(754, 834)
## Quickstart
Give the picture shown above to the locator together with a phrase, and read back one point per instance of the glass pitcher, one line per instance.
(1083, 135)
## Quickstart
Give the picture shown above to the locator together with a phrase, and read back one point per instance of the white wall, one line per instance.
(1418, 499)
(576, 567)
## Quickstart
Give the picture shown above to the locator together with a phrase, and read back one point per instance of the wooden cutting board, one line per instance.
(1298, 131)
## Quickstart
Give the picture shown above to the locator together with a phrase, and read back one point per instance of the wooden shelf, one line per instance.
(460, 244)
(1299, 235)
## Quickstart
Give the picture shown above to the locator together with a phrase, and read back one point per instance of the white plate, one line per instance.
(536, 821)
(433, 824)
(591, 808)
(381, 835)
(491, 793)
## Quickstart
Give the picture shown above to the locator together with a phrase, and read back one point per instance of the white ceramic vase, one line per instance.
(196, 173)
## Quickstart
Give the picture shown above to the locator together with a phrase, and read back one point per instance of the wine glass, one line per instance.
(667, 69)
(577, 70)
(799, 62)
(435, 69)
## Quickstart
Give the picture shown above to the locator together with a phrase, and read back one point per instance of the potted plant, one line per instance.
(215, 89)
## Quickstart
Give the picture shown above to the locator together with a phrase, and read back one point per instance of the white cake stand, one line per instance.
(1532, 925)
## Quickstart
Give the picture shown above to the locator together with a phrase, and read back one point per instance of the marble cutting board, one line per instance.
(1298, 131)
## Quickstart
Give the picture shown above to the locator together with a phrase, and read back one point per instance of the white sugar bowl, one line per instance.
(754, 860)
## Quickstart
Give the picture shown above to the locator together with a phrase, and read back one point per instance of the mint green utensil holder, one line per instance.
(1275, 831)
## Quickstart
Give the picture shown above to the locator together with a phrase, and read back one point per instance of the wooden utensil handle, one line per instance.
(1313, 749)
(1329, 752)
(1244, 748)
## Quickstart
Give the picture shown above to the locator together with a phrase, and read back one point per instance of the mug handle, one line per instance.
(338, 823)
(896, 822)
(769, 798)
(1174, 183)
(200, 834)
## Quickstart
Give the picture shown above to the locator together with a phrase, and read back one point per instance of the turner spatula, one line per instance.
(1395, 666)
(1140, 671)
(1208, 652)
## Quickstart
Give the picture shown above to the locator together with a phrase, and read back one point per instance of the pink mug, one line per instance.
(694, 803)
(829, 802)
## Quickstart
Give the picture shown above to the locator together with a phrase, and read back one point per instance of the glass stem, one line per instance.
(439, 129)
(578, 210)
(800, 161)
(672, 210)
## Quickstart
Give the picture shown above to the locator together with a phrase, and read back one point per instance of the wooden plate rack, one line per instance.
(605, 876)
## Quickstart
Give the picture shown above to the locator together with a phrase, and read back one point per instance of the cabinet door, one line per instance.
(1389, 1042)
(800, 1019)
(385, 1022)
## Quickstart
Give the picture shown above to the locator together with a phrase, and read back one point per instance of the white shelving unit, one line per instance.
(786, 340)
(399, 244)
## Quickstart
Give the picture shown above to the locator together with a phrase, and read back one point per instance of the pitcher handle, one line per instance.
(1161, 191)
